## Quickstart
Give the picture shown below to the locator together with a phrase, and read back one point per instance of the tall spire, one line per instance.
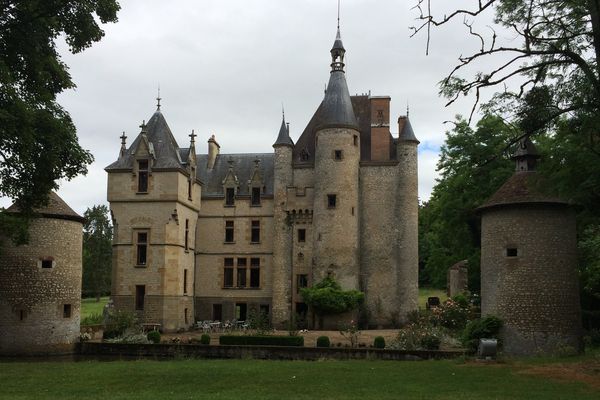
(283, 139)
(336, 109)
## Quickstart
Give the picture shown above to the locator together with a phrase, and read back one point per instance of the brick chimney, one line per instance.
(380, 128)
(213, 152)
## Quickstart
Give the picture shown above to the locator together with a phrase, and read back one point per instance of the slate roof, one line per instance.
(243, 168)
(167, 154)
(521, 188)
(336, 108)
(407, 134)
(284, 135)
(362, 110)
(56, 208)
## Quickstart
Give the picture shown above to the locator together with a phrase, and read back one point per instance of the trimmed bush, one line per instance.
(249, 340)
(323, 341)
(153, 336)
(488, 327)
(205, 339)
(379, 342)
(430, 342)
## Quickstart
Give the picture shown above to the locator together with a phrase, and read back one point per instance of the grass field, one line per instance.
(424, 293)
(256, 379)
(91, 306)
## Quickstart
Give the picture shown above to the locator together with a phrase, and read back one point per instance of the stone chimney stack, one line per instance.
(213, 152)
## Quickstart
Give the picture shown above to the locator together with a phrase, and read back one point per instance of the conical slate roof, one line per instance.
(166, 151)
(56, 208)
(336, 111)
(407, 134)
(283, 139)
(337, 44)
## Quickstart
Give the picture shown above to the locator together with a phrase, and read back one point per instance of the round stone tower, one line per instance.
(40, 284)
(282, 261)
(528, 264)
(337, 156)
(407, 213)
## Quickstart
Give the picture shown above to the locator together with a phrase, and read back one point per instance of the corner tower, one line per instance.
(337, 157)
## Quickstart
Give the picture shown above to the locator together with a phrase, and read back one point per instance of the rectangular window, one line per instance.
(140, 294)
(301, 310)
(142, 176)
(229, 232)
(67, 311)
(255, 199)
(331, 201)
(301, 282)
(142, 248)
(301, 235)
(229, 196)
(228, 273)
(47, 263)
(255, 234)
(337, 155)
(241, 272)
(512, 252)
(187, 232)
(355, 139)
(185, 281)
(255, 272)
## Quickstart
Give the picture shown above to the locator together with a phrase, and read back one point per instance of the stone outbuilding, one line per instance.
(457, 279)
(40, 284)
(528, 263)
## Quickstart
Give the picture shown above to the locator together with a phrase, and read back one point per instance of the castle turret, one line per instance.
(282, 235)
(40, 283)
(407, 213)
(528, 263)
(337, 157)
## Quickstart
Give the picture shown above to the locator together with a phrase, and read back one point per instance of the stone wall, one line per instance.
(535, 292)
(33, 318)
(378, 236)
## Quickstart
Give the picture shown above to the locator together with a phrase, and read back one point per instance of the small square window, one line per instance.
(47, 263)
(301, 235)
(331, 201)
(512, 252)
(67, 311)
(337, 155)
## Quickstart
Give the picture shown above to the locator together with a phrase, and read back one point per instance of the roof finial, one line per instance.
(158, 99)
(143, 126)
(338, 26)
(193, 137)
(123, 144)
(123, 137)
(282, 111)
(407, 109)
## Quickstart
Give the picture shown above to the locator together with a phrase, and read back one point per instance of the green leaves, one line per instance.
(327, 297)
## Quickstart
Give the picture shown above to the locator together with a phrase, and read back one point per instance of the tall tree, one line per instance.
(470, 171)
(555, 43)
(97, 251)
(38, 141)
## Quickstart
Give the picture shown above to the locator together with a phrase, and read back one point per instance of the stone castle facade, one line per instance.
(216, 236)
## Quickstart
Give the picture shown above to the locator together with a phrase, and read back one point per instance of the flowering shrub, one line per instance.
(451, 314)
(417, 337)
(351, 333)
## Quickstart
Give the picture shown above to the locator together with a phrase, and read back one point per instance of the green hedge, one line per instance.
(247, 340)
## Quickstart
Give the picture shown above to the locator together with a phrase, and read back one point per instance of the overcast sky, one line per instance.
(226, 66)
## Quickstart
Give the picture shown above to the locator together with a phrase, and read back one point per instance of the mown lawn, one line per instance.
(91, 306)
(255, 379)
(424, 293)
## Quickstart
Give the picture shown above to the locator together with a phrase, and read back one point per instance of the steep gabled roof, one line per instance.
(243, 168)
(166, 151)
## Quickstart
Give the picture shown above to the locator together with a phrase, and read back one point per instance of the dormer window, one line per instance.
(142, 176)
(255, 196)
(229, 196)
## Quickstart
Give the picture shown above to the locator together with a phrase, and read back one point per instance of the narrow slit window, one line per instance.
(255, 233)
(185, 279)
(140, 294)
(66, 311)
(229, 229)
(143, 176)
(187, 232)
(255, 199)
(229, 196)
